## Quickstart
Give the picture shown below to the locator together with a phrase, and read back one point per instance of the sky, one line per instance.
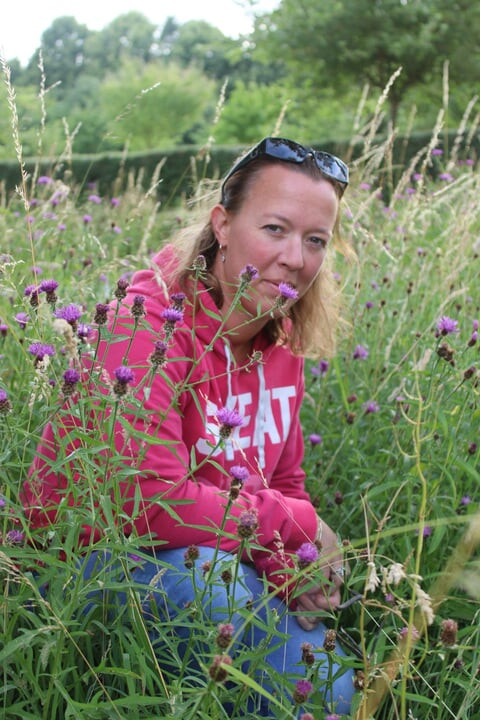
(22, 25)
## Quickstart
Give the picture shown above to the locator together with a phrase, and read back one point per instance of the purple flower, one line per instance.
(172, 315)
(447, 177)
(437, 151)
(302, 690)
(178, 298)
(124, 374)
(307, 554)
(3, 502)
(95, 199)
(22, 320)
(14, 537)
(247, 523)
(29, 290)
(360, 353)
(5, 406)
(3, 329)
(287, 292)
(40, 350)
(138, 307)
(84, 331)
(114, 202)
(87, 219)
(228, 420)
(446, 325)
(48, 286)
(315, 439)
(101, 310)
(158, 357)
(321, 369)
(371, 407)
(369, 305)
(248, 274)
(44, 180)
(70, 379)
(466, 500)
(69, 313)
(239, 473)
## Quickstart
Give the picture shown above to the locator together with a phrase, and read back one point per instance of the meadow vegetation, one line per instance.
(391, 427)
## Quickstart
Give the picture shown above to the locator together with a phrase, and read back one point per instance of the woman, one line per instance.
(216, 372)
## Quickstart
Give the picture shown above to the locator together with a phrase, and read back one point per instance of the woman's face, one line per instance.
(282, 228)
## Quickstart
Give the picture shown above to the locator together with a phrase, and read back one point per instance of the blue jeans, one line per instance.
(171, 594)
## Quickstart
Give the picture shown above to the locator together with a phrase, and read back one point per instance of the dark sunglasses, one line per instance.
(290, 151)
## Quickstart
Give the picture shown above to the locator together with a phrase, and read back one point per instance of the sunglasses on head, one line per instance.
(290, 151)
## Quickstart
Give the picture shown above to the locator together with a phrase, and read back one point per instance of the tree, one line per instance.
(331, 44)
(150, 105)
(130, 35)
(63, 51)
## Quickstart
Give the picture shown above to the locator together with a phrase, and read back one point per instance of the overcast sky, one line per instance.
(22, 24)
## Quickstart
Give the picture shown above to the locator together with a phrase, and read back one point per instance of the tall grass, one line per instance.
(392, 459)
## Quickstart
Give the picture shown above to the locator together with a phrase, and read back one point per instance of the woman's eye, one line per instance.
(317, 241)
(273, 228)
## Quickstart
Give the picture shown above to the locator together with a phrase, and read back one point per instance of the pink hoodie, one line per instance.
(179, 490)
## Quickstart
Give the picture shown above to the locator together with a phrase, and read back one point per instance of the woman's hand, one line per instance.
(325, 596)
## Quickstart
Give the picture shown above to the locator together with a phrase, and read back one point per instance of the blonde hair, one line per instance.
(310, 326)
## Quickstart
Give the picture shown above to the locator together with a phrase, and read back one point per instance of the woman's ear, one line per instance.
(220, 221)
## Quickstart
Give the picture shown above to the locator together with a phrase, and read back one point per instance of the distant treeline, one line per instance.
(176, 172)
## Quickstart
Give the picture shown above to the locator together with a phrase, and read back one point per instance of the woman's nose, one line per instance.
(292, 254)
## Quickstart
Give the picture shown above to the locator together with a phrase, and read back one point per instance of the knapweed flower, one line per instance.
(40, 351)
(199, 264)
(225, 635)
(94, 199)
(228, 419)
(84, 331)
(447, 353)
(247, 523)
(123, 377)
(330, 640)
(217, 669)
(138, 307)
(22, 320)
(302, 690)
(3, 502)
(115, 202)
(446, 326)
(315, 439)
(307, 655)
(360, 353)
(473, 338)
(87, 219)
(48, 287)
(101, 311)
(44, 180)
(178, 298)
(307, 554)
(70, 380)
(158, 357)
(121, 289)
(172, 315)
(286, 293)
(448, 635)
(5, 404)
(371, 407)
(191, 554)
(3, 329)
(14, 537)
(69, 313)
(437, 151)
(248, 274)
(413, 634)
(239, 475)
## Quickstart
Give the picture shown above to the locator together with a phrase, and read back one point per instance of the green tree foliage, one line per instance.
(333, 44)
(63, 51)
(150, 105)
